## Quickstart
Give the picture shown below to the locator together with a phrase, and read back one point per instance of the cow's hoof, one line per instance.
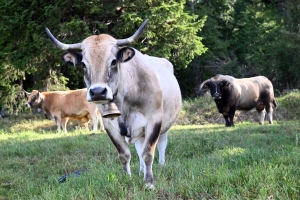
(229, 125)
(149, 186)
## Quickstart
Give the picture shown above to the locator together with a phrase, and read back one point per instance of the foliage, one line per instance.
(172, 32)
(201, 39)
(29, 60)
(250, 38)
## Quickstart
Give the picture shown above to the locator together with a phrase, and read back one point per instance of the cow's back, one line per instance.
(52, 102)
(171, 91)
(75, 104)
(255, 90)
(71, 104)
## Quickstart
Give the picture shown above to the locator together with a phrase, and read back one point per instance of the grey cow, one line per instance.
(143, 87)
(231, 94)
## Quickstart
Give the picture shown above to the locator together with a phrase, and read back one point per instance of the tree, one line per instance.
(249, 38)
(28, 59)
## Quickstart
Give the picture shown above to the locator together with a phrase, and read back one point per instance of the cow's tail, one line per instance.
(274, 103)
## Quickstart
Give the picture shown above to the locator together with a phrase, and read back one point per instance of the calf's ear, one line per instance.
(125, 54)
(72, 58)
(24, 94)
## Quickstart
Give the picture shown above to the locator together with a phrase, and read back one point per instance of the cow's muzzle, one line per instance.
(216, 96)
(99, 95)
(27, 104)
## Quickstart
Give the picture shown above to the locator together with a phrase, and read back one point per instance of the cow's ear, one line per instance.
(72, 58)
(125, 54)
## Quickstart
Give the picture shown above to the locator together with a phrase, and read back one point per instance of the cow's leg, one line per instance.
(231, 113)
(99, 113)
(151, 137)
(270, 116)
(121, 146)
(161, 146)
(101, 121)
(80, 123)
(262, 114)
(231, 120)
(139, 148)
(58, 123)
(95, 121)
(227, 122)
(63, 123)
(269, 110)
(260, 108)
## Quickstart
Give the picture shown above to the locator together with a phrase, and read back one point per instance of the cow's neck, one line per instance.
(40, 105)
(132, 83)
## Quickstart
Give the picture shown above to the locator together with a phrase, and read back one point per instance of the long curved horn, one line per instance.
(27, 93)
(204, 82)
(134, 37)
(61, 45)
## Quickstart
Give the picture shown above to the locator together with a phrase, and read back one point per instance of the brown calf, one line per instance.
(60, 106)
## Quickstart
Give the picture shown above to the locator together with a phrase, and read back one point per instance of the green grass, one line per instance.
(209, 161)
(248, 161)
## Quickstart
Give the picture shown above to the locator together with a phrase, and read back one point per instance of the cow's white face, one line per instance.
(100, 58)
(100, 67)
(100, 55)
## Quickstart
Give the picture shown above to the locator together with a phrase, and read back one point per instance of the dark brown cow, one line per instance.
(231, 94)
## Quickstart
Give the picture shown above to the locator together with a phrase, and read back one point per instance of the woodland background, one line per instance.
(201, 38)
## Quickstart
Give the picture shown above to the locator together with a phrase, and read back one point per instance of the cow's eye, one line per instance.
(113, 62)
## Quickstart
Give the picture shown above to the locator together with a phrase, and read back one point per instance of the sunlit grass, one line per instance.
(211, 161)
(248, 161)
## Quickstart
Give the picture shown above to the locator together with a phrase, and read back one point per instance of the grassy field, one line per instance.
(210, 161)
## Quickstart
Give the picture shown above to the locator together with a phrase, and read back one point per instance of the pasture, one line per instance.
(208, 161)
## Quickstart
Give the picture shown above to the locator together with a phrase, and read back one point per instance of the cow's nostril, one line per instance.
(104, 91)
(92, 93)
